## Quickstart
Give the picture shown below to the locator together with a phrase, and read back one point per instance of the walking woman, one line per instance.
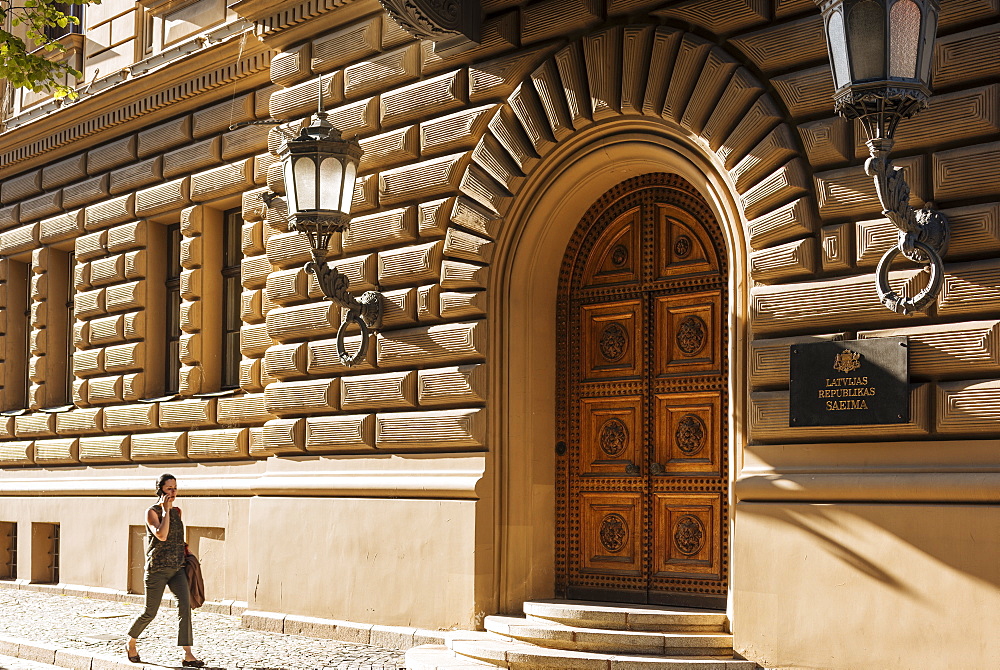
(165, 567)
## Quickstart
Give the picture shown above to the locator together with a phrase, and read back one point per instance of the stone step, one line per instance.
(621, 616)
(515, 655)
(556, 635)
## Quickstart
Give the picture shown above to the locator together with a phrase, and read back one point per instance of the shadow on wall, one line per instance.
(899, 545)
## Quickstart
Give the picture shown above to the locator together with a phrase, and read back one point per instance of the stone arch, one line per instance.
(614, 104)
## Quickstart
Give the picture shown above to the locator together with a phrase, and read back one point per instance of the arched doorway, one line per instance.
(642, 466)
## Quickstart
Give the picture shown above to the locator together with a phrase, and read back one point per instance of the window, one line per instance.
(55, 32)
(172, 360)
(17, 352)
(59, 343)
(8, 550)
(232, 255)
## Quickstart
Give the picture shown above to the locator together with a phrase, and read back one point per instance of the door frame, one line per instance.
(522, 292)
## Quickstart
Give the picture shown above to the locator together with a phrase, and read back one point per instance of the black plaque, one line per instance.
(849, 383)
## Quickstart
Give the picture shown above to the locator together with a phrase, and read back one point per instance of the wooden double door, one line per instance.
(642, 452)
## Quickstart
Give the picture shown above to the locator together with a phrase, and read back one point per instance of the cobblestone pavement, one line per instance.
(99, 626)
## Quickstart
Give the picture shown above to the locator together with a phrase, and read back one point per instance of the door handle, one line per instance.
(656, 469)
(631, 469)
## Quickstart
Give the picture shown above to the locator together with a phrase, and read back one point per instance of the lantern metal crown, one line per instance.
(880, 56)
(320, 170)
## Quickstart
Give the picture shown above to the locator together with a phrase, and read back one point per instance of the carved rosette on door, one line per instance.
(642, 483)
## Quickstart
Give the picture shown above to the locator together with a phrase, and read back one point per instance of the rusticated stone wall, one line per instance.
(448, 143)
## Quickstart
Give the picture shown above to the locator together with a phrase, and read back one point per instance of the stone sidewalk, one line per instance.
(89, 634)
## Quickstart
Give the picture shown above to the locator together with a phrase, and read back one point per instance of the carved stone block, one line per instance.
(393, 389)
(219, 117)
(324, 360)
(397, 226)
(301, 321)
(21, 187)
(715, 74)
(108, 155)
(971, 289)
(110, 212)
(792, 220)
(254, 340)
(719, 16)
(225, 443)
(136, 175)
(389, 149)
(967, 407)
(131, 418)
(286, 361)
(35, 425)
(497, 78)
(340, 433)
(430, 97)
(347, 45)
(89, 303)
(105, 449)
(554, 18)
(105, 390)
(829, 304)
(787, 261)
(531, 117)
(193, 157)
(223, 180)
(445, 344)
(63, 172)
(381, 72)
(755, 123)
(966, 172)
(254, 271)
(286, 250)
(316, 396)
(281, 436)
(806, 92)
(62, 227)
(41, 206)
(86, 191)
(291, 65)
(769, 154)
(10, 216)
(780, 187)
(80, 421)
(786, 45)
(827, 141)
(431, 430)
(187, 413)
(838, 247)
(247, 409)
(88, 363)
(458, 305)
(849, 192)
(964, 350)
(452, 386)
(107, 270)
(163, 136)
(159, 447)
(424, 180)
(124, 297)
(410, 265)
(92, 245)
(57, 451)
(968, 56)
(244, 142)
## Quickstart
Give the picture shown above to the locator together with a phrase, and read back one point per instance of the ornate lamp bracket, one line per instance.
(923, 233)
(365, 311)
(453, 25)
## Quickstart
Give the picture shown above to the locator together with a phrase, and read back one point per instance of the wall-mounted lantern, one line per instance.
(320, 169)
(880, 55)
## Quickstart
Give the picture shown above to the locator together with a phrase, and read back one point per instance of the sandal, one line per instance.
(133, 659)
(193, 664)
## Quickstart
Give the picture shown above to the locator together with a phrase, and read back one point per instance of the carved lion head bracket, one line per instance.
(453, 25)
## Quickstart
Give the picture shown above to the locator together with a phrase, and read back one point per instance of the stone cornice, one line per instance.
(184, 84)
(283, 22)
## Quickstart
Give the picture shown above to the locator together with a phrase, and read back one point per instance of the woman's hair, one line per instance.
(163, 479)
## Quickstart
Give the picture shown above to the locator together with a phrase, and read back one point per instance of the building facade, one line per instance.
(599, 227)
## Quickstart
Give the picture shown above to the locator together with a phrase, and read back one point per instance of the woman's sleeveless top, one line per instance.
(167, 553)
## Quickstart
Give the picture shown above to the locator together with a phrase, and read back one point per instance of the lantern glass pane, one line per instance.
(904, 26)
(293, 205)
(331, 174)
(838, 50)
(927, 50)
(350, 175)
(866, 28)
(305, 183)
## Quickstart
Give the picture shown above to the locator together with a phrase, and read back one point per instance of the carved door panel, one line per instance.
(642, 405)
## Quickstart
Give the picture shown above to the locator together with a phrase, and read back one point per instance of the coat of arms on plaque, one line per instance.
(847, 361)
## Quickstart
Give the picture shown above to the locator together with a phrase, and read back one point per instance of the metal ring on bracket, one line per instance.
(352, 317)
(893, 300)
